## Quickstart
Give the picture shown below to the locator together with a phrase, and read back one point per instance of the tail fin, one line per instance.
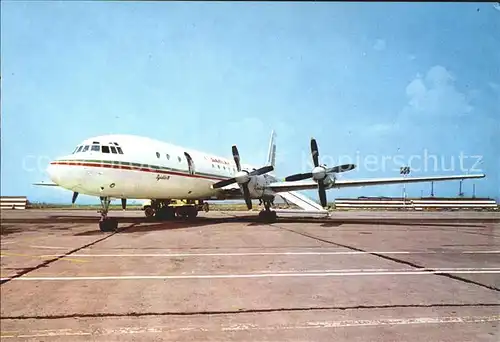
(271, 154)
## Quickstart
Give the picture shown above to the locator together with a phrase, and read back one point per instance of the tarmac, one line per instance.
(357, 276)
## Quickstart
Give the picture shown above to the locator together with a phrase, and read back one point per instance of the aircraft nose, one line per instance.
(65, 173)
(54, 172)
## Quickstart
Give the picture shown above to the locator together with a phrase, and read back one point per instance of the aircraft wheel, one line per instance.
(268, 216)
(165, 213)
(274, 216)
(109, 224)
(149, 212)
(192, 212)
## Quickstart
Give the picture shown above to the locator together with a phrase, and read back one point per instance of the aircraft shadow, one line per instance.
(142, 224)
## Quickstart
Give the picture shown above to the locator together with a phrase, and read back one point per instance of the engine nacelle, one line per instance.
(258, 186)
(329, 181)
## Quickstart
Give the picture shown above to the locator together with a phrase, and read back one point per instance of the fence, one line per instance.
(416, 204)
(13, 202)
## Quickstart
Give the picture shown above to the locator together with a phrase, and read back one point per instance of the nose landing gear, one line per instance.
(107, 224)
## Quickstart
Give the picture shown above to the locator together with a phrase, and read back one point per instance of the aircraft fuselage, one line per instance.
(124, 166)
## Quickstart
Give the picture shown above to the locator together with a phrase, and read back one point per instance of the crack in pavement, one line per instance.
(50, 261)
(399, 261)
(232, 312)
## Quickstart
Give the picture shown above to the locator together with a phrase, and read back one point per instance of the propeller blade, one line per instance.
(246, 195)
(314, 152)
(322, 194)
(223, 183)
(236, 157)
(341, 168)
(75, 196)
(261, 171)
(298, 176)
(124, 203)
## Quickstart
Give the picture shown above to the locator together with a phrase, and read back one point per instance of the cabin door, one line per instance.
(190, 163)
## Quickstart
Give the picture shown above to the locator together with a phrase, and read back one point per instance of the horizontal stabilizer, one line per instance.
(45, 184)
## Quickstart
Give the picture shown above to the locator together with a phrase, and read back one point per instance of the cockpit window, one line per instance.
(105, 149)
(96, 148)
(113, 149)
(79, 149)
(74, 151)
(119, 149)
(86, 148)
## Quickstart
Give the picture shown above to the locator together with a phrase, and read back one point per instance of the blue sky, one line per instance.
(367, 80)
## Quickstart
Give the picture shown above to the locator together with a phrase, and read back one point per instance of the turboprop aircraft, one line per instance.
(133, 167)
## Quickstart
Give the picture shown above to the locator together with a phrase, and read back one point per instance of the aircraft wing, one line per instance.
(310, 184)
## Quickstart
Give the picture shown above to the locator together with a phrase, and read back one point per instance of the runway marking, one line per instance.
(4, 254)
(481, 252)
(49, 247)
(256, 275)
(251, 326)
(264, 253)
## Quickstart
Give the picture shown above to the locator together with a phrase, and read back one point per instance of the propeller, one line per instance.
(242, 177)
(319, 172)
(75, 196)
(124, 203)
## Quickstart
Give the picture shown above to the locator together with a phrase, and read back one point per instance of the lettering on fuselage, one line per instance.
(159, 177)
(215, 160)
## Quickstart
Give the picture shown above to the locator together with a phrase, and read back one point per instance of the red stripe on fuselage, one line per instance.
(132, 168)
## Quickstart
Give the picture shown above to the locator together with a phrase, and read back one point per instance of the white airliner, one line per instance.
(127, 166)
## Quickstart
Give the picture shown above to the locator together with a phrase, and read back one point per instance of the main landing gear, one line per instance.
(107, 224)
(268, 215)
(162, 210)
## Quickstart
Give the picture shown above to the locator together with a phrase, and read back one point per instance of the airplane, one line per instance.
(135, 167)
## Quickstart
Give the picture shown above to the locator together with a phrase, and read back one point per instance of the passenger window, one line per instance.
(168, 156)
(95, 148)
(105, 149)
(157, 154)
(218, 166)
(86, 148)
(119, 149)
(179, 159)
(113, 149)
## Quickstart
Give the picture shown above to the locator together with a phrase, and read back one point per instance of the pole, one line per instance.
(404, 191)
(405, 170)
(473, 190)
(432, 189)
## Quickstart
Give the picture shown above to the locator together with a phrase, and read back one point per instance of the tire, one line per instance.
(108, 225)
(192, 212)
(149, 211)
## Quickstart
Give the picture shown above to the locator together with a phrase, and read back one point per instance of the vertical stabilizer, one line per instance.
(271, 154)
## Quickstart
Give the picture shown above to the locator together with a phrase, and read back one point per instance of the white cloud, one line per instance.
(437, 95)
(379, 45)
(497, 6)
